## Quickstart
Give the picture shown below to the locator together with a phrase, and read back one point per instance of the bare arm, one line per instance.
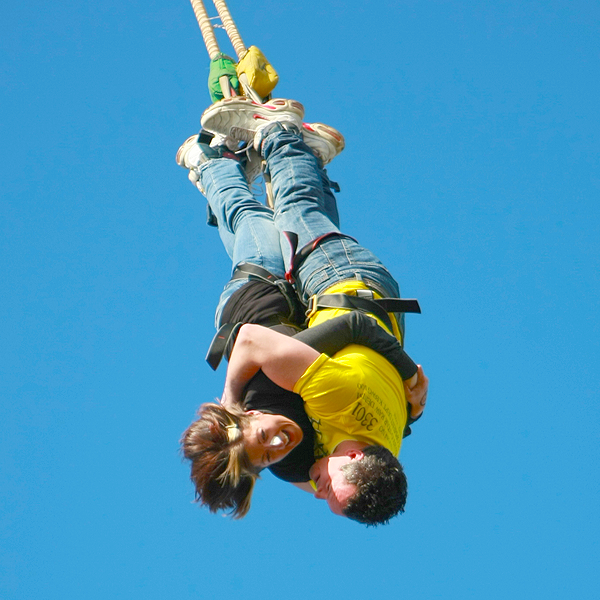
(282, 359)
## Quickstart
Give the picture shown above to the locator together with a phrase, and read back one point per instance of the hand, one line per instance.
(415, 390)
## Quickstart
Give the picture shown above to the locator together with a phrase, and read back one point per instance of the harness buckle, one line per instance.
(312, 307)
(367, 294)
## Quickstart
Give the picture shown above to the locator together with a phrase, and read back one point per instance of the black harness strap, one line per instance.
(256, 273)
(299, 257)
(245, 269)
(222, 344)
(365, 302)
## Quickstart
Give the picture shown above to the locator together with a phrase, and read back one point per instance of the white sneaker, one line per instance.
(239, 117)
(326, 142)
(192, 153)
(182, 154)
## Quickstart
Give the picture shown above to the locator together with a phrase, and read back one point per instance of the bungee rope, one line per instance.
(230, 28)
(206, 28)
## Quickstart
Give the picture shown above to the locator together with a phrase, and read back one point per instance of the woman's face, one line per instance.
(269, 438)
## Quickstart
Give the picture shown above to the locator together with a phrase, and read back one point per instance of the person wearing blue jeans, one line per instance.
(330, 264)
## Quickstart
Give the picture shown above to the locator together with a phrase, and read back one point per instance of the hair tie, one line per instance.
(232, 432)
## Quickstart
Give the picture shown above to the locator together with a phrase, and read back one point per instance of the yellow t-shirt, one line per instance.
(356, 394)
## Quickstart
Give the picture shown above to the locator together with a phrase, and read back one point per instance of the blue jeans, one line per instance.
(304, 204)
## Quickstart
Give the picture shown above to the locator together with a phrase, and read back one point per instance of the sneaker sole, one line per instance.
(324, 140)
(240, 117)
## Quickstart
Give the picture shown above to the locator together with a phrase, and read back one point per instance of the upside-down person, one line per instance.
(355, 398)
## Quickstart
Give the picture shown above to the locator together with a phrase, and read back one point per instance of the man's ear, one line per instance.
(254, 413)
(355, 454)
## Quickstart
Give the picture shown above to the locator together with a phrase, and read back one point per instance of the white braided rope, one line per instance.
(230, 28)
(206, 28)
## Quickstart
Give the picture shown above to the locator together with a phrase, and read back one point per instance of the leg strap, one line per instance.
(298, 256)
(222, 344)
(364, 301)
(256, 273)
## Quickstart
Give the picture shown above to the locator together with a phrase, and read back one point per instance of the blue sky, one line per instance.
(471, 169)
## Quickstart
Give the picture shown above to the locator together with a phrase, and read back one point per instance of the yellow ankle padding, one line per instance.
(261, 75)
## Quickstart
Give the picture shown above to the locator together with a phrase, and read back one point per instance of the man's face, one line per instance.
(269, 438)
(331, 482)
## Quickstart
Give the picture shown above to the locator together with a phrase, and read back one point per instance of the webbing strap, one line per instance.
(299, 257)
(245, 269)
(254, 272)
(218, 347)
(363, 300)
(366, 300)
(380, 307)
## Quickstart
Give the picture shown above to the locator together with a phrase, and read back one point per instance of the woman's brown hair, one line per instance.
(221, 470)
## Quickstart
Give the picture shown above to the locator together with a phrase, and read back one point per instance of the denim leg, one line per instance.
(305, 205)
(245, 225)
(330, 203)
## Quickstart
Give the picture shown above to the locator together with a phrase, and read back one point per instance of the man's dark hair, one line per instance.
(382, 487)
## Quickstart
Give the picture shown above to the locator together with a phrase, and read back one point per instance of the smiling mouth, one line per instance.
(281, 437)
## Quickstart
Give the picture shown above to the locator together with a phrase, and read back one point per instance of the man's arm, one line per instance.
(357, 328)
(281, 358)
